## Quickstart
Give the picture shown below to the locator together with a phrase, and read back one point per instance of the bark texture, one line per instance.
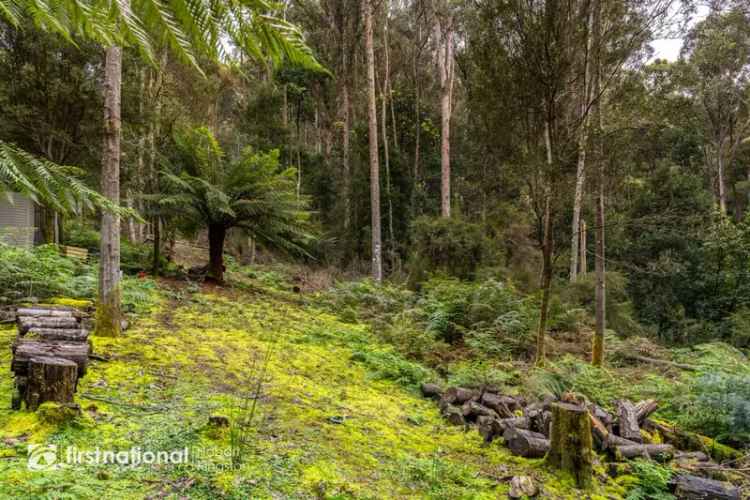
(570, 447)
(108, 313)
(50, 379)
(377, 246)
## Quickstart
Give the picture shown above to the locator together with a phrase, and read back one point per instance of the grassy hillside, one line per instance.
(328, 425)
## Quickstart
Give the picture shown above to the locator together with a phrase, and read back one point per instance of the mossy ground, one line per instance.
(328, 427)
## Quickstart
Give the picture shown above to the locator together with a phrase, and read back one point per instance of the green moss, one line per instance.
(108, 319)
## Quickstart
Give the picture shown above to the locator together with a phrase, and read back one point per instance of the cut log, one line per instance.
(433, 391)
(67, 312)
(489, 428)
(658, 452)
(25, 323)
(627, 421)
(453, 415)
(50, 379)
(645, 408)
(471, 410)
(613, 441)
(687, 487)
(24, 350)
(570, 448)
(517, 422)
(500, 404)
(525, 443)
(691, 441)
(459, 395)
(600, 432)
(69, 334)
(697, 456)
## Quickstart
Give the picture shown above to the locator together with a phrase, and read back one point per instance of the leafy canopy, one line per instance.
(206, 187)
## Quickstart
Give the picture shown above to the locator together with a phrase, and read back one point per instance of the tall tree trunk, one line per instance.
(597, 356)
(720, 179)
(386, 150)
(583, 136)
(377, 259)
(108, 312)
(156, 264)
(546, 281)
(418, 127)
(216, 235)
(584, 267)
(345, 156)
(445, 68)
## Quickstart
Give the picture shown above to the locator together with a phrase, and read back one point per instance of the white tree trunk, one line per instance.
(377, 259)
(444, 36)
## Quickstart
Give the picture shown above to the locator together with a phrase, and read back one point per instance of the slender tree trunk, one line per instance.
(546, 281)
(583, 249)
(132, 237)
(386, 150)
(156, 264)
(345, 157)
(216, 235)
(445, 68)
(720, 180)
(377, 260)
(597, 356)
(583, 135)
(418, 127)
(108, 312)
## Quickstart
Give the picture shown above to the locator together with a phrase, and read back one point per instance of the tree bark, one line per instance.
(583, 136)
(216, 235)
(50, 379)
(386, 148)
(444, 35)
(570, 442)
(377, 259)
(597, 355)
(546, 257)
(108, 313)
(583, 261)
(156, 264)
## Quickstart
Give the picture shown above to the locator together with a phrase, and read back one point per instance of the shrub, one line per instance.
(40, 272)
(718, 404)
(448, 245)
(652, 481)
(391, 366)
(366, 299)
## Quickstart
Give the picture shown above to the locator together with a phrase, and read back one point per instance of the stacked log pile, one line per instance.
(50, 353)
(528, 430)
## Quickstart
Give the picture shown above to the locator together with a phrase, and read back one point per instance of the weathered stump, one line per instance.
(24, 350)
(50, 379)
(570, 448)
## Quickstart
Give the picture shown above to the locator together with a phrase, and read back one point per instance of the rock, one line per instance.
(522, 486)
(433, 391)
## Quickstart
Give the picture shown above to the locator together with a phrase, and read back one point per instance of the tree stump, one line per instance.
(50, 379)
(570, 447)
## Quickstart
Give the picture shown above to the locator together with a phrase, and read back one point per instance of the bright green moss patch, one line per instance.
(336, 416)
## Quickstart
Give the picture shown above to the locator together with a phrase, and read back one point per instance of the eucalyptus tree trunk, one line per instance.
(597, 355)
(108, 313)
(386, 150)
(583, 137)
(720, 179)
(444, 35)
(377, 258)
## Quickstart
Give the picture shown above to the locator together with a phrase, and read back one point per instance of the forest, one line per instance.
(375, 249)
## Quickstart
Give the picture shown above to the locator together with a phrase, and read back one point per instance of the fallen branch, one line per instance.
(654, 361)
